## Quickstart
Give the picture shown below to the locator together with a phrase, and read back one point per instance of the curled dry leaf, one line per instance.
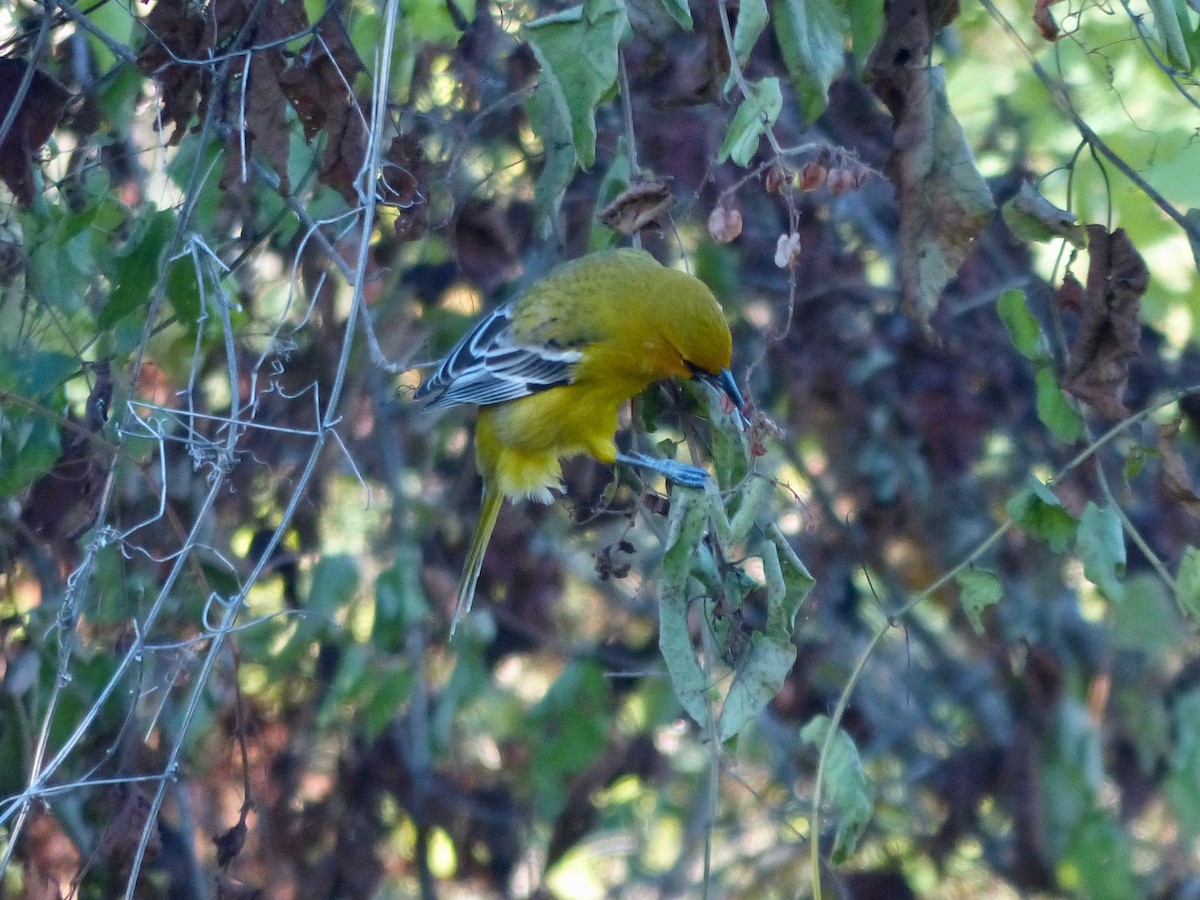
(1176, 482)
(1044, 21)
(1110, 333)
(405, 168)
(787, 250)
(724, 223)
(1069, 296)
(1032, 217)
(40, 112)
(639, 207)
(177, 30)
(944, 201)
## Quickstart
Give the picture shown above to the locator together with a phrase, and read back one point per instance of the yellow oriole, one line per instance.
(552, 368)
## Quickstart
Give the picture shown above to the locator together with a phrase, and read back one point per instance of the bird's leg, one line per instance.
(680, 473)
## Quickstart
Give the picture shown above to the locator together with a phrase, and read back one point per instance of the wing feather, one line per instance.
(487, 367)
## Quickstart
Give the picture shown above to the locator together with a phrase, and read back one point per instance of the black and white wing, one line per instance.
(487, 366)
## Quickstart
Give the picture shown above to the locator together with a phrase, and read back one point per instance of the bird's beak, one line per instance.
(723, 382)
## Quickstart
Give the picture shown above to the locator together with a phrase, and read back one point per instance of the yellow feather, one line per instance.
(492, 500)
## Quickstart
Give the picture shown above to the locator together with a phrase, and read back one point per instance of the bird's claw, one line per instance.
(680, 473)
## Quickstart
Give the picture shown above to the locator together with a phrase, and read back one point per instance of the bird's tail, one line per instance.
(492, 500)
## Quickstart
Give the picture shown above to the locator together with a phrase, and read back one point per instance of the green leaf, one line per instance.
(979, 589)
(846, 786)
(1187, 584)
(559, 164)
(334, 581)
(756, 681)
(1192, 216)
(754, 116)
(812, 39)
(1037, 512)
(1146, 621)
(1100, 544)
(135, 269)
(183, 289)
(29, 439)
(1053, 408)
(1184, 767)
(751, 22)
(114, 20)
(400, 603)
(577, 52)
(678, 10)
(571, 724)
(866, 25)
(1022, 325)
(432, 22)
(1097, 863)
(614, 183)
(689, 515)
(29, 447)
(1032, 217)
(60, 260)
(1166, 21)
(762, 671)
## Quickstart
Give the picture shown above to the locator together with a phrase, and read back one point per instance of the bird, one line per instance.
(551, 369)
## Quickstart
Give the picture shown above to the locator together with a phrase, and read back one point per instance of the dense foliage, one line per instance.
(931, 633)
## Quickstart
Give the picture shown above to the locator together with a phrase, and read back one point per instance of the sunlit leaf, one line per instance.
(849, 792)
(1100, 543)
(979, 590)
(1187, 584)
(577, 50)
(812, 39)
(754, 116)
(1037, 511)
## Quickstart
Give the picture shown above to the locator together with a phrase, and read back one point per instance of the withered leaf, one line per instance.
(1109, 333)
(345, 151)
(638, 207)
(39, 113)
(266, 126)
(1034, 218)
(404, 169)
(229, 843)
(944, 201)
(1044, 20)
(1173, 472)
(176, 30)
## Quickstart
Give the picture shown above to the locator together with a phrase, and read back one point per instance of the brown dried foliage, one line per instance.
(1110, 333)
(39, 114)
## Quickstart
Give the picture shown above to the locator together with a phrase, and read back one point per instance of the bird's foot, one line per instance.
(680, 473)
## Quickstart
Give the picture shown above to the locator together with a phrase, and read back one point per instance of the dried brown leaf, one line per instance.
(404, 169)
(40, 111)
(1044, 21)
(641, 206)
(176, 29)
(944, 201)
(229, 843)
(1110, 333)
(344, 153)
(1176, 480)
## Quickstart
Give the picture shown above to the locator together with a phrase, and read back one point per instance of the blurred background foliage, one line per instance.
(958, 250)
